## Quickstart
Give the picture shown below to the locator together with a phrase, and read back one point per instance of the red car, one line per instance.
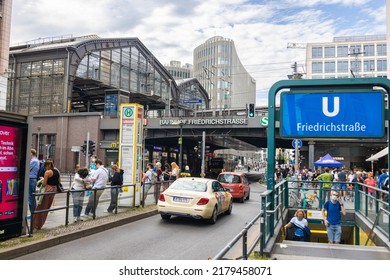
(237, 183)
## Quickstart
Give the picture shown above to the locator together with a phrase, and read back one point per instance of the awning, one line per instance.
(378, 155)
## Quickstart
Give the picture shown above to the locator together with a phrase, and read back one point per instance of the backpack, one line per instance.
(41, 170)
(154, 179)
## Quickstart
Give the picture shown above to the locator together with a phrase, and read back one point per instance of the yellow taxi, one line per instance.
(198, 198)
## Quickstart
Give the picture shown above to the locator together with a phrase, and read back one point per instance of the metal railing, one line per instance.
(275, 202)
(157, 188)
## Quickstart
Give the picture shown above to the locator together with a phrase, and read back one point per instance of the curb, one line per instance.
(11, 253)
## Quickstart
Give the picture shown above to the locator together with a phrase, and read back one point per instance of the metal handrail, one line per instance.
(369, 237)
(243, 233)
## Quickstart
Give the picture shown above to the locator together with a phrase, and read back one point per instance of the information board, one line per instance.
(332, 115)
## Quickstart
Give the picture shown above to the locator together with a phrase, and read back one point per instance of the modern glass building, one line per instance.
(220, 71)
(178, 71)
(74, 85)
(347, 57)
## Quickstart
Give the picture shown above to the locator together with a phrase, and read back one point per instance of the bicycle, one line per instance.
(349, 194)
(309, 200)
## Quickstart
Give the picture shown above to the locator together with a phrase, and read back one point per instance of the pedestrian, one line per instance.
(147, 180)
(99, 181)
(116, 181)
(157, 186)
(300, 225)
(174, 171)
(186, 172)
(51, 179)
(33, 178)
(332, 217)
(81, 182)
(165, 176)
(326, 179)
(370, 181)
(381, 179)
(343, 179)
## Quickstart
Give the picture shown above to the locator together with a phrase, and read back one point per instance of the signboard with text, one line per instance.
(332, 115)
(130, 146)
(13, 156)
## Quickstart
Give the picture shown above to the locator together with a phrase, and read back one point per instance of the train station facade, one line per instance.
(73, 86)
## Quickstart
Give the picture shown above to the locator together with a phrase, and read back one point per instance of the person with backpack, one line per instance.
(331, 213)
(33, 179)
(99, 180)
(300, 226)
(148, 179)
(116, 180)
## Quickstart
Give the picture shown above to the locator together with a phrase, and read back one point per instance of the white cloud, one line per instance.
(171, 29)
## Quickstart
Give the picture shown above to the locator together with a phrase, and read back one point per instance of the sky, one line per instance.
(171, 29)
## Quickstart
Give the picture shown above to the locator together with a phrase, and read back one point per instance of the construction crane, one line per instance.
(296, 45)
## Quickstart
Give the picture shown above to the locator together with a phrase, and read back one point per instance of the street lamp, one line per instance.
(181, 145)
(39, 135)
(169, 97)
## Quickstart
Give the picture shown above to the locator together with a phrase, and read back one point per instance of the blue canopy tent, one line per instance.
(328, 161)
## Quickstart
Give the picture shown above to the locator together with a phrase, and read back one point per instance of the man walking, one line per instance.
(99, 180)
(332, 218)
(327, 179)
(32, 182)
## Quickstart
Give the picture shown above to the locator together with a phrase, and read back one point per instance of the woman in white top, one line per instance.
(299, 222)
(175, 171)
(81, 182)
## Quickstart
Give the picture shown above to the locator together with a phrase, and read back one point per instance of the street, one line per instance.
(153, 238)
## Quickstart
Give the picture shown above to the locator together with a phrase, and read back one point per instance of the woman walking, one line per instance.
(51, 179)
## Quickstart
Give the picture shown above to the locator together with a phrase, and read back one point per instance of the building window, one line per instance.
(381, 65)
(342, 51)
(368, 50)
(317, 67)
(381, 49)
(330, 51)
(330, 67)
(368, 65)
(316, 52)
(342, 66)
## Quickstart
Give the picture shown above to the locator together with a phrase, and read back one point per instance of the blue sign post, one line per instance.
(332, 115)
(297, 143)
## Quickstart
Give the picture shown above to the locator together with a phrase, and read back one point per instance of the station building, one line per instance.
(73, 87)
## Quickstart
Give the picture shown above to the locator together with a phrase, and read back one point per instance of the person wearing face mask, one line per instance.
(332, 218)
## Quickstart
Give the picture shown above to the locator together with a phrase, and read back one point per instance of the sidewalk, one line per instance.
(55, 232)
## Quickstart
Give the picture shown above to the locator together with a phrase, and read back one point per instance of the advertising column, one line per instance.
(130, 152)
(13, 142)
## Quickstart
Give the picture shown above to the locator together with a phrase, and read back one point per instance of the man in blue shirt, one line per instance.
(382, 178)
(32, 182)
(332, 218)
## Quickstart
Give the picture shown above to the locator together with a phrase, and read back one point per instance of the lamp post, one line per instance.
(39, 135)
(169, 97)
(181, 145)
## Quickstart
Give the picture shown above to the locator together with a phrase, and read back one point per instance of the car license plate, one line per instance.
(180, 199)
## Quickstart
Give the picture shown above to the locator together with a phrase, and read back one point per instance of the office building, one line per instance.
(347, 57)
(219, 70)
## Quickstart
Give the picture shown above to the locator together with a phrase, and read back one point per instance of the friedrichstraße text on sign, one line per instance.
(238, 121)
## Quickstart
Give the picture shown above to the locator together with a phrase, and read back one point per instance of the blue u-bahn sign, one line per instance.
(332, 115)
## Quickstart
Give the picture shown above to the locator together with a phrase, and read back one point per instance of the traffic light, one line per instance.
(251, 111)
(84, 147)
(91, 147)
(200, 144)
